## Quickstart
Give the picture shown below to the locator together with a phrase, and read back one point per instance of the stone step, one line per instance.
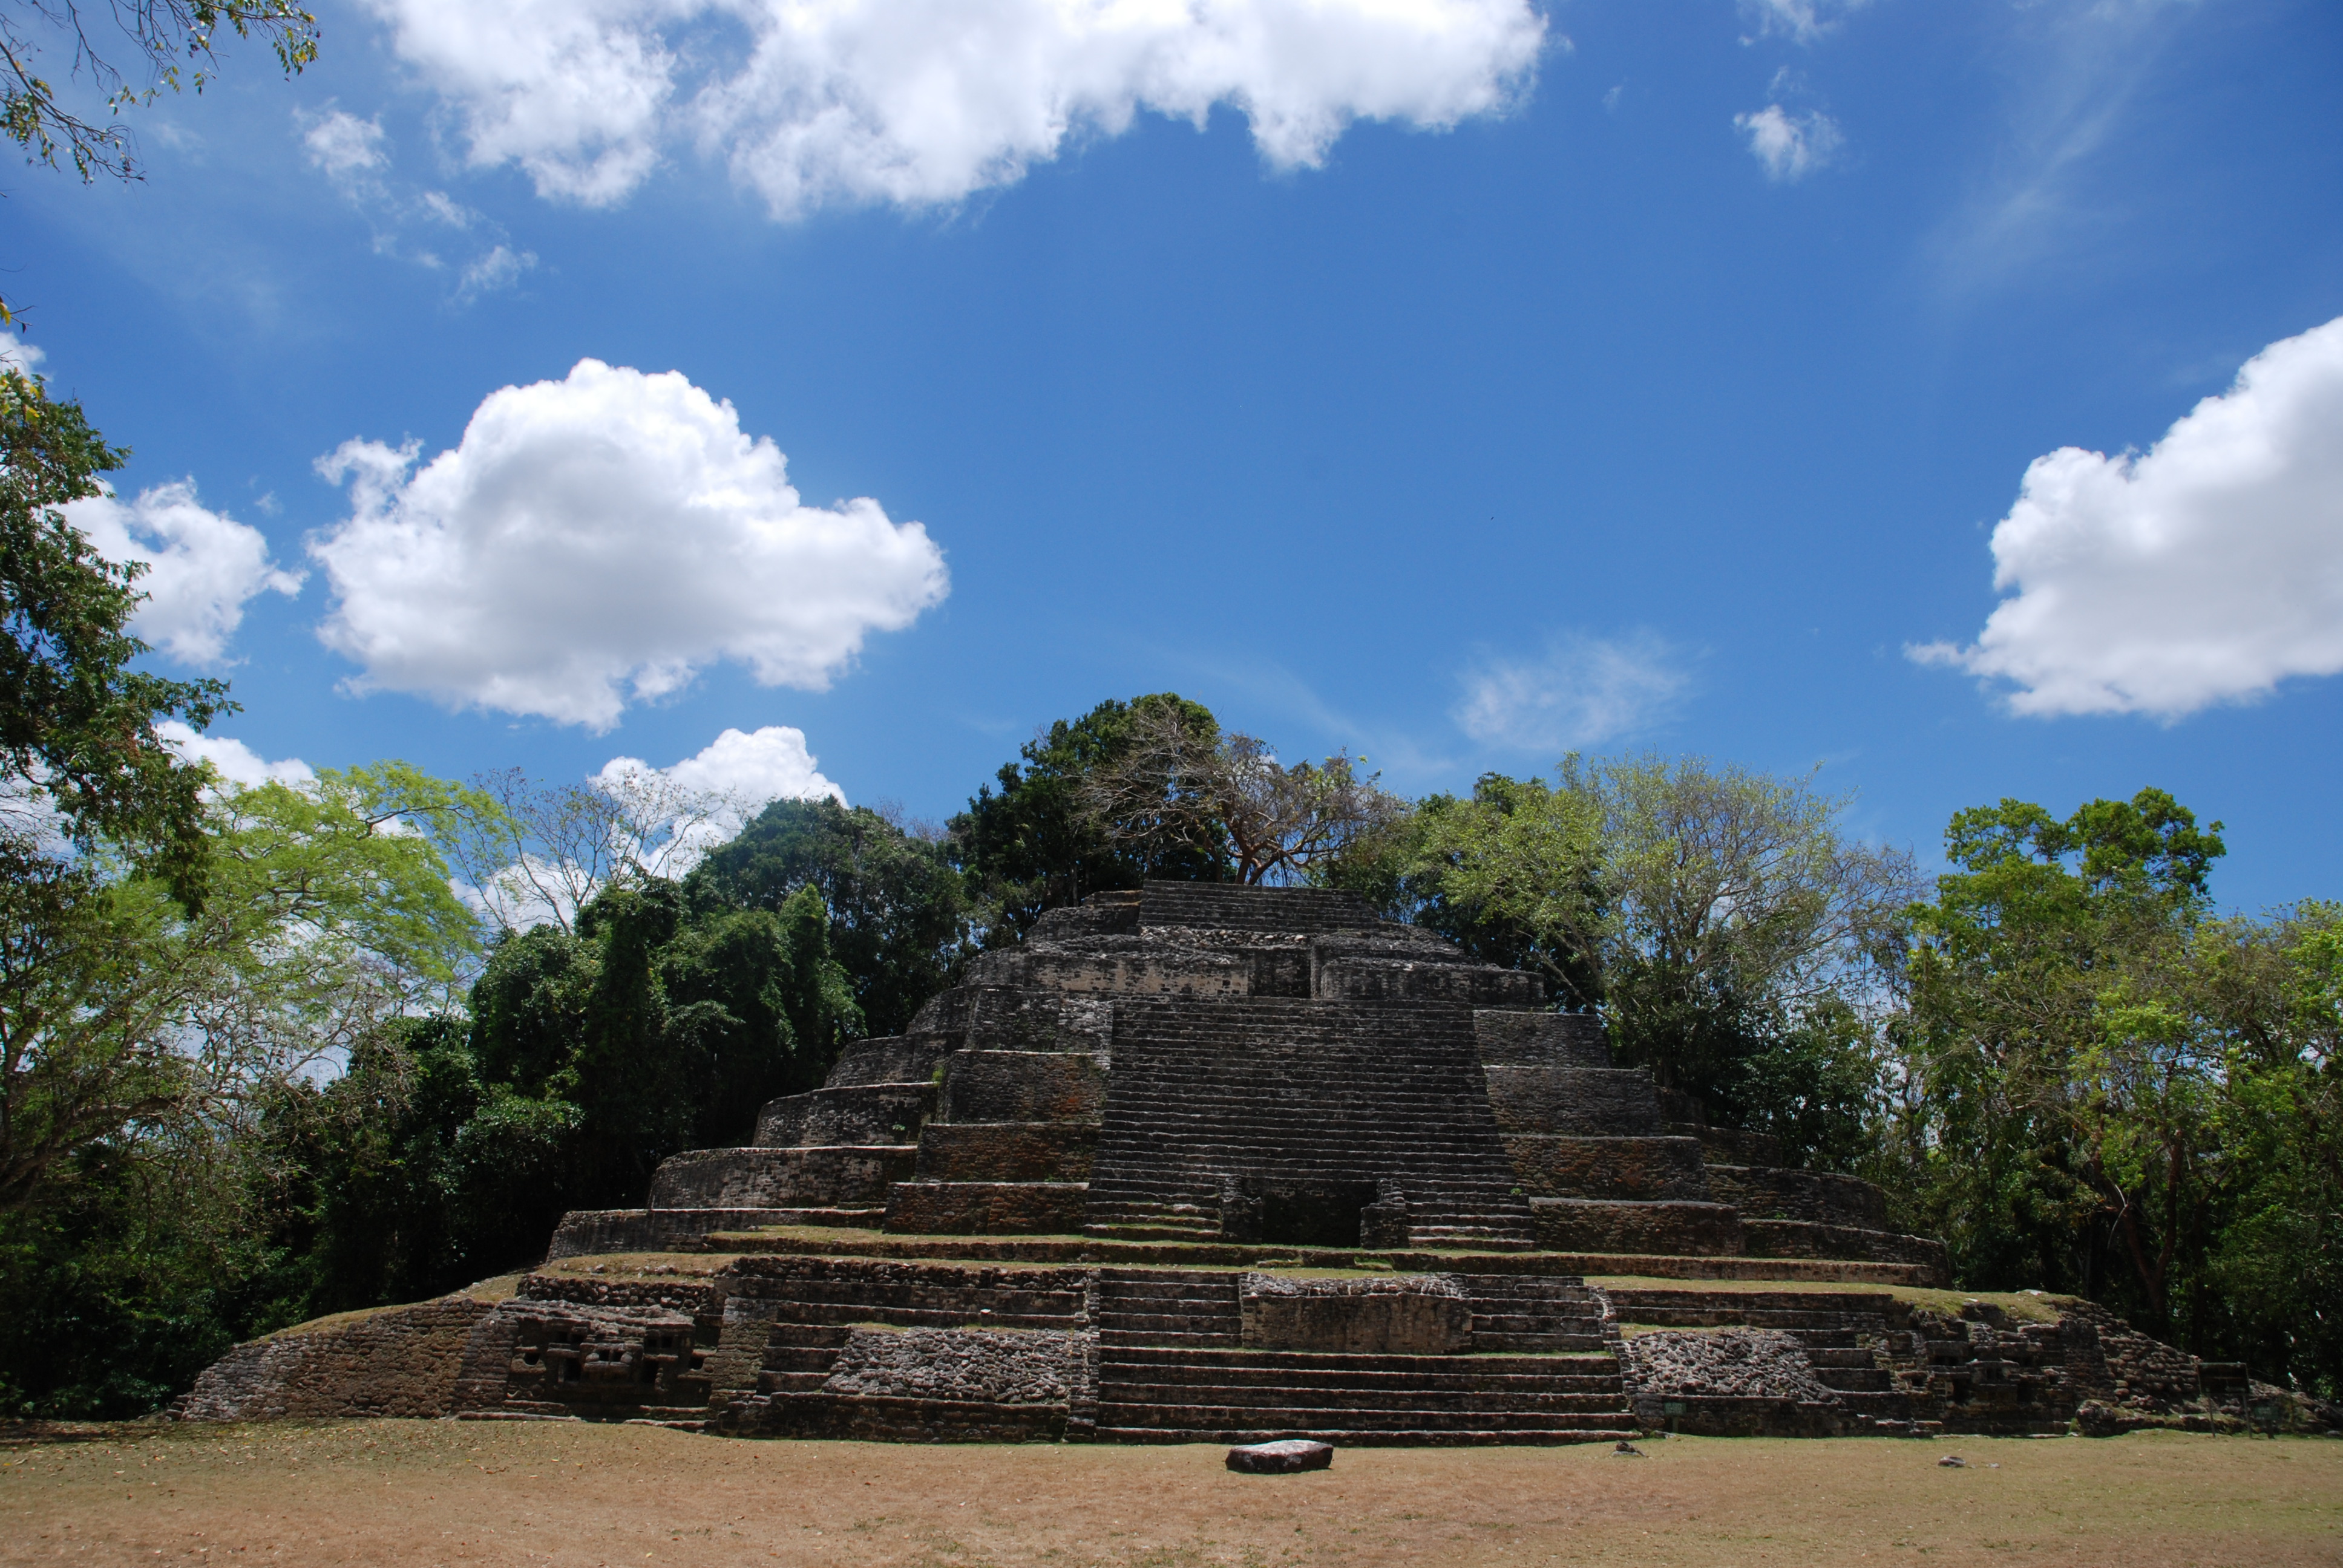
(1577, 1365)
(1624, 1427)
(1355, 1381)
(1369, 1406)
(1305, 1417)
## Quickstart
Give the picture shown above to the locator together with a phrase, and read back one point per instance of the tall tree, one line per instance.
(1176, 778)
(119, 1006)
(899, 914)
(1031, 841)
(79, 723)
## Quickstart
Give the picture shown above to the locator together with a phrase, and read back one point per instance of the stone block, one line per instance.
(1007, 1152)
(977, 1366)
(1404, 1314)
(864, 1114)
(1024, 1086)
(1663, 1228)
(1577, 1101)
(1286, 1458)
(1649, 1170)
(1511, 1038)
(843, 1178)
(987, 1208)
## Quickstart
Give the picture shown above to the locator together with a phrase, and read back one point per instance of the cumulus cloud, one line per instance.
(23, 357)
(234, 761)
(2205, 570)
(1790, 147)
(202, 567)
(921, 102)
(598, 540)
(706, 799)
(1581, 691)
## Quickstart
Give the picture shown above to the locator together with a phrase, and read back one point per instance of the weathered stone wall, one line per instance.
(1024, 1086)
(1802, 1239)
(1762, 1194)
(400, 1361)
(1007, 1152)
(1515, 1038)
(1381, 979)
(1577, 1101)
(1004, 1020)
(586, 1233)
(894, 1059)
(780, 1177)
(987, 1208)
(1141, 969)
(870, 1114)
(1644, 1169)
(1610, 1225)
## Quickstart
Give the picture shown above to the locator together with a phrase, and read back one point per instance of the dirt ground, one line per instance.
(419, 1493)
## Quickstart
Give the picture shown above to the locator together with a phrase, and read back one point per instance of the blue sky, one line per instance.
(1456, 381)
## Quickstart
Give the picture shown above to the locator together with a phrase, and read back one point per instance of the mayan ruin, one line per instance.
(1229, 1164)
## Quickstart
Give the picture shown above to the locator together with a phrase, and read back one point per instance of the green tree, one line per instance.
(1742, 928)
(78, 725)
(1032, 841)
(1512, 874)
(899, 914)
(119, 1006)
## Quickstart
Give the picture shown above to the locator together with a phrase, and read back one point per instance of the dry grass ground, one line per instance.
(396, 1493)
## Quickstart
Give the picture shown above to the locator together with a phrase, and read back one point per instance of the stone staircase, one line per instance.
(1310, 1097)
(1172, 1368)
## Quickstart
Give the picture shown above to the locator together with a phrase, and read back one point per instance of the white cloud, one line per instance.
(598, 540)
(924, 102)
(342, 146)
(1790, 147)
(355, 157)
(202, 567)
(500, 268)
(2206, 570)
(755, 769)
(711, 797)
(235, 763)
(1584, 691)
(19, 355)
(1803, 20)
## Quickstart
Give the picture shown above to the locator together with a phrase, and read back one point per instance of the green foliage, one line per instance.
(898, 912)
(1510, 875)
(1030, 841)
(77, 722)
(161, 33)
(661, 1026)
(2114, 1092)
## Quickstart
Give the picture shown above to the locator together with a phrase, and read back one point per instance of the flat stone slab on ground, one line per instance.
(1280, 1457)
